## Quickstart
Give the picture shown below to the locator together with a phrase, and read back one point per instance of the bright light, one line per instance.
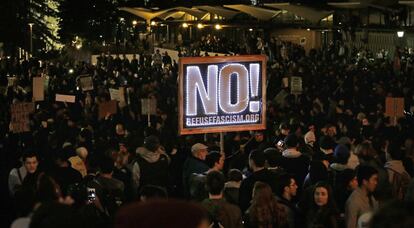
(400, 34)
(250, 29)
(308, 29)
(185, 25)
(200, 26)
(78, 46)
(217, 26)
(134, 22)
(153, 23)
(100, 36)
(121, 19)
(215, 17)
(70, 71)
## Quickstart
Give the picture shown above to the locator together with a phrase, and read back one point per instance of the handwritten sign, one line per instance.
(20, 113)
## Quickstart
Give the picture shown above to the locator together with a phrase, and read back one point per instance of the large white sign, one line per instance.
(220, 94)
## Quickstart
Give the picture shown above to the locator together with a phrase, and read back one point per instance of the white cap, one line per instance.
(198, 146)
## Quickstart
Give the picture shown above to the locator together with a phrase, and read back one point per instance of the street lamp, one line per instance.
(153, 23)
(200, 26)
(134, 22)
(217, 26)
(400, 34)
(185, 25)
(31, 38)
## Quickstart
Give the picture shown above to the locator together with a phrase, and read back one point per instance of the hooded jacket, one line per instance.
(294, 162)
(150, 167)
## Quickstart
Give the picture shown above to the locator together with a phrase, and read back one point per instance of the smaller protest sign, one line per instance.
(296, 85)
(148, 106)
(394, 106)
(65, 98)
(38, 88)
(86, 82)
(108, 107)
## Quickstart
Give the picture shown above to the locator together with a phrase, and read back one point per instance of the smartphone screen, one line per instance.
(91, 194)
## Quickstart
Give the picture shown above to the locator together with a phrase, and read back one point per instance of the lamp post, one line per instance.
(31, 38)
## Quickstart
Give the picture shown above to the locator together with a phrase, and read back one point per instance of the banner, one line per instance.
(20, 116)
(148, 106)
(108, 107)
(38, 88)
(218, 94)
(86, 83)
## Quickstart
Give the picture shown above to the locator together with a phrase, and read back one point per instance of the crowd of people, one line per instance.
(329, 157)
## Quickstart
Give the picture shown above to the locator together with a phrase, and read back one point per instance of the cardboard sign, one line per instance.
(20, 113)
(86, 83)
(38, 88)
(65, 98)
(285, 82)
(219, 94)
(296, 85)
(108, 107)
(10, 81)
(394, 106)
(117, 94)
(148, 106)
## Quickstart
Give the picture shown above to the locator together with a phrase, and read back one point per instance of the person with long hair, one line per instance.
(265, 211)
(322, 211)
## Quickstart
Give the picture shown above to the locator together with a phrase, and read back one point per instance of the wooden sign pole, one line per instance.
(222, 143)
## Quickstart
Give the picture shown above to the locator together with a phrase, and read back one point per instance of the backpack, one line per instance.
(400, 183)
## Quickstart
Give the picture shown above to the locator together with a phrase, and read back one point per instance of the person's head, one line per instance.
(365, 151)
(367, 177)
(317, 171)
(47, 190)
(327, 143)
(161, 213)
(257, 159)
(259, 136)
(82, 152)
(272, 157)
(106, 165)
(394, 151)
(199, 151)
(215, 182)
(235, 175)
(394, 214)
(331, 130)
(153, 192)
(264, 207)
(54, 214)
(310, 138)
(284, 129)
(152, 143)
(85, 135)
(287, 186)
(349, 179)
(262, 193)
(215, 160)
(322, 195)
(30, 161)
(341, 154)
(119, 129)
(291, 141)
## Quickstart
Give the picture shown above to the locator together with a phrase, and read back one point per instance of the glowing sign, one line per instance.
(219, 94)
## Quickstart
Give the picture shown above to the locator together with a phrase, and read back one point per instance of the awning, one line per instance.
(254, 11)
(223, 12)
(142, 12)
(308, 13)
(347, 5)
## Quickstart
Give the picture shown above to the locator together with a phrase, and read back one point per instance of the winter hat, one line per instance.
(152, 143)
(341, 154)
